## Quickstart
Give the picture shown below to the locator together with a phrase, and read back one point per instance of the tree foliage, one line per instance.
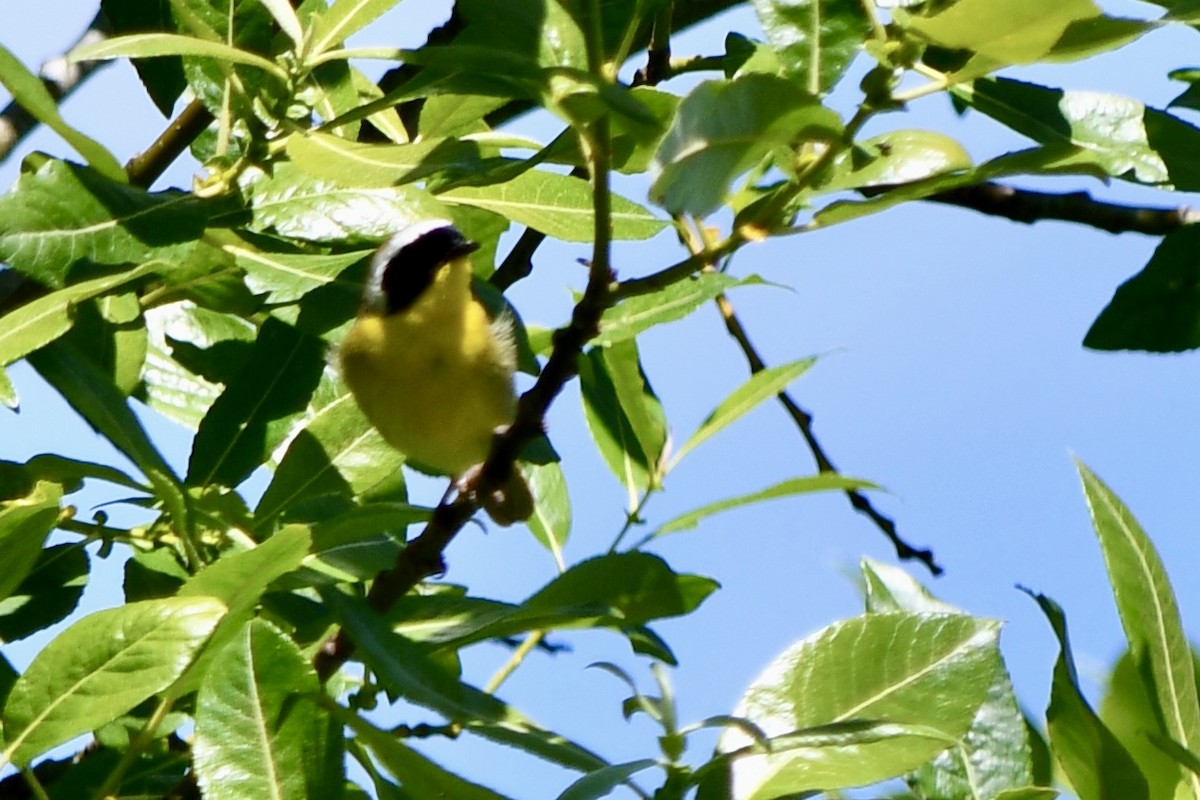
(259, 628)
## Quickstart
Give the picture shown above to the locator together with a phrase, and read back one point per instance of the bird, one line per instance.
(427, 364)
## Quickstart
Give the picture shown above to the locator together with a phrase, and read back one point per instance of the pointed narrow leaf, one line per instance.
(762, 385)
(294, 204)
(409, 671)
(421, 778)
(152, 45)
(1013, 32)
(285, 17)
(557, 205)
(1158, 309)
(337, 452)
(258, 407)
(47, 594)
(343, 18)
(1129, 712)
(260, 730)
(379, 165)
(94, 398)
(610, 426)
(551, 520)
(1092, 758)
(286, 277)
(636, 314)
(101, 667)
(815, 39)
(28, 91)
(61, 214)
(25, 522)
(43, 320)
(639, 406)
(600, 783)
(1121, 135)
(1149, 613)
(723, 128)
(828, 482)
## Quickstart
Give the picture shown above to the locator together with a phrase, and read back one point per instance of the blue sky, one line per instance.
(952, 374)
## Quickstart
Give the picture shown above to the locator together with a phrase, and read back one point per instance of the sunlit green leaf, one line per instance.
(25, 522)
(152, 45)
(936, 682)
(102, 666)
(1012, 32)
(723, 128)
(761, 386)
(557, 205)
(379, 165)
(1088, 752)
(631, 316)
(343, 18)
(828, 482)
(61, 214)
(28, 91)
(551, 520)
(1149, 613)
(816, 39)
(260, 731)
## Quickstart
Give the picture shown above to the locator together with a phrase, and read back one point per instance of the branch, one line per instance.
(60, 76)
(804, 423)
(1029, 206)
(422, 557)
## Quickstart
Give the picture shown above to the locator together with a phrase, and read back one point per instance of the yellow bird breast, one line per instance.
(436, 380)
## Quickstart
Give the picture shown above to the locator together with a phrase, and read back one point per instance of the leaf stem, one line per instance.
(524, 649)
(136, 746)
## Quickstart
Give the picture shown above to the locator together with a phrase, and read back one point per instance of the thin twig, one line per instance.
(804, 424)
(146, 167)
(61, 77)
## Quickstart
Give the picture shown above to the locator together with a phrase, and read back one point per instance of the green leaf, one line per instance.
(421, 778)
(154, 45)
(542, 29)
(1122, 136)
(344, 18)
(551, 520)
(337, 452)
(557, 205)
(633, 588)
(600, 783)
(1129, 712)
(1092, 758)
(8, 393)
(1149, 613)
(1157, 310)
(94, 398)
(636, 314)
(1012, 32)
(260, 730)
(815, 39)
(25, 522)
(1177, 752)
(888, 588)
(47, 594)
(826, 482)
(931, 688)
(285, 277)
(100, 668)
(761, 386)
(723, 128)
(28, 91)
(641, 411)
(611, 426)
(995, 755)
(287, 20)
(379, 165)
(163, 77)
(62, 214)
(408, 671)
(896, 157)
(258, 407)
(293, 204)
